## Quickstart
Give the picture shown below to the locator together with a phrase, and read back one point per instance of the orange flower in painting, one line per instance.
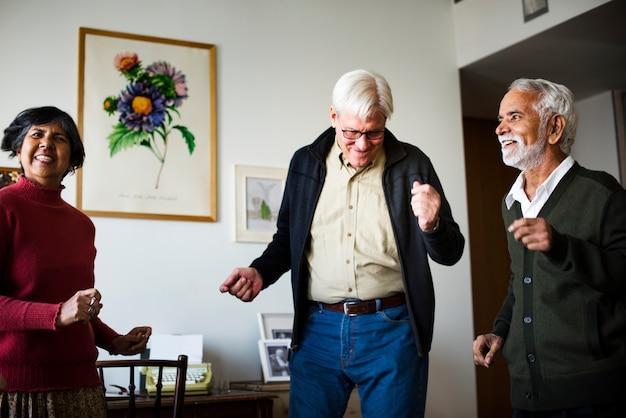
(142, 105)
(125, 61)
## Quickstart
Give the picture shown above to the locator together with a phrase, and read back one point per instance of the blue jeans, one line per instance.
(376, 352)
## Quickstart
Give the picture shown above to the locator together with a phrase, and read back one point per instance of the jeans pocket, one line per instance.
(397, 314)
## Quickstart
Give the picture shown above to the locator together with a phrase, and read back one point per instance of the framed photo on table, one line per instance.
(275, 325)
(147, 116)
(275, 360)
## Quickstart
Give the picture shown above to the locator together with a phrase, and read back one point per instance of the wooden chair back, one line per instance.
(132, 364)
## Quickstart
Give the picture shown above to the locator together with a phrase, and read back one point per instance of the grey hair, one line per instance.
(363, 93)
(552, 98)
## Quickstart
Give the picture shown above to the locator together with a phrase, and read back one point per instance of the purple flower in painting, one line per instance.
(180, 84)
(142, 107)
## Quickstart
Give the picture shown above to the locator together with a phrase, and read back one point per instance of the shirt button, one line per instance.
(349, 234)
(347, 261)
(350, 206)
(528, 280)
(528, 320)
(350, 289)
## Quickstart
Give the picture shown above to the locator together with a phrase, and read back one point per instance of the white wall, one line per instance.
(486, 26)
(277, 61)
(596, 140)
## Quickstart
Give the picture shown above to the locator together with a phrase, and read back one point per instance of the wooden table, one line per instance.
(281, 390)
(233, 404)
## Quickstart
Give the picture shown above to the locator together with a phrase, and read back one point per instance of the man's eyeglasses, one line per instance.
(371, 135)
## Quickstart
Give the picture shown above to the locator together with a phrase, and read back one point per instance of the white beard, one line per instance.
(521, 156)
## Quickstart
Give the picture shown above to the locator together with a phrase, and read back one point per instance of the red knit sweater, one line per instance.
(47, 253)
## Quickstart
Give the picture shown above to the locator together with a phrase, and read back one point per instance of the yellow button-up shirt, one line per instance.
(352, 252)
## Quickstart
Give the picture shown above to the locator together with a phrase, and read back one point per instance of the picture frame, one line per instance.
(275, 325)
(534, 8)
(259, 192)
(147, 117)
(619, 106)
(9, 175)
(275, 360)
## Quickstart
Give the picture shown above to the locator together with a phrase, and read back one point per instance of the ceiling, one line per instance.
(586, 53)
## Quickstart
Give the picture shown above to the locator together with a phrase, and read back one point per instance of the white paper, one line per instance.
(170, 346)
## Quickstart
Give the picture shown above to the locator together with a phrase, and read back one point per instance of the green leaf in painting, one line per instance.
(122, 138)
(187, 136)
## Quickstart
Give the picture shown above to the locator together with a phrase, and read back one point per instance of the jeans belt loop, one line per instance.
(378, 305)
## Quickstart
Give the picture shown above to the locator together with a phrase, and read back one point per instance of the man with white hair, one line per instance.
(362, 214)
(562, 326)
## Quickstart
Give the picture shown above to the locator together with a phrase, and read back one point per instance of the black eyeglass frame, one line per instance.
(353, 135)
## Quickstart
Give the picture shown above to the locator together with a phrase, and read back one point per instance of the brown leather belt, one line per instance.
(354, 308)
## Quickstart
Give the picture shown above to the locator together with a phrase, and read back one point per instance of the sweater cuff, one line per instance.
(41, 316)
(501, 329)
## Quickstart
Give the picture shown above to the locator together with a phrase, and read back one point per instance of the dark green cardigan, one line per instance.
(564, 319)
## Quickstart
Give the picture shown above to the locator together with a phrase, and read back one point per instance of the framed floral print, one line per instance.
(146, 113)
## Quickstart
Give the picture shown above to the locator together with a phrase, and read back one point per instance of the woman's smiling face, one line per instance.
(45, 154)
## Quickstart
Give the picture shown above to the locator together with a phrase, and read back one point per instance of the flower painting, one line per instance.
(147, 108)
(147, 118)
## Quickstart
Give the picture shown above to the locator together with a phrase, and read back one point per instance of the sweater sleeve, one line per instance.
(104, 335)
(18, 315)
(599, 263)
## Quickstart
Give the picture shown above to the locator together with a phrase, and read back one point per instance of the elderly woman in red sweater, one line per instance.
(49, 325)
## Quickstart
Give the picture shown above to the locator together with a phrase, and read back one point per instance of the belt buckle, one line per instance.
(348, 303)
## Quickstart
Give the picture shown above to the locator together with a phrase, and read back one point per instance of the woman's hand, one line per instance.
(132, 343)
(82, 307)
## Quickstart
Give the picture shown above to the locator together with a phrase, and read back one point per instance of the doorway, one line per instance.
(488, 179)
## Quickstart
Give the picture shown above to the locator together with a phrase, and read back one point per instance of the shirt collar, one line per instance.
(337, 154)
(547, 187)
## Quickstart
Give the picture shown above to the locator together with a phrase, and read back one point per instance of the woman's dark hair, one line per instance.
(16, 131)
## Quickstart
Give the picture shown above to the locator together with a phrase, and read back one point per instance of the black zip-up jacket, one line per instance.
(405, 164)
